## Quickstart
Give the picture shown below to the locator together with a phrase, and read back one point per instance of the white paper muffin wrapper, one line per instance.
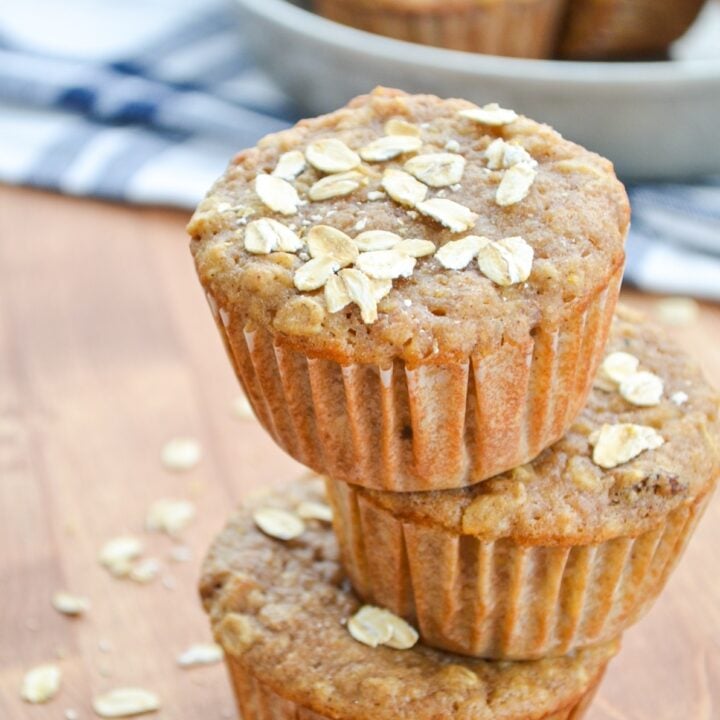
(504, 599)
(428, 427)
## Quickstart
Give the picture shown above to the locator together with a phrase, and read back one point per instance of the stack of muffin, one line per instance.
(418, 298)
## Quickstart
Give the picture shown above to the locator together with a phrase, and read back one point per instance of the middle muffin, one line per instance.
(564, 552)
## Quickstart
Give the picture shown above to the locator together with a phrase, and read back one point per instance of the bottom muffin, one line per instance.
(287, 620)
(566, 551)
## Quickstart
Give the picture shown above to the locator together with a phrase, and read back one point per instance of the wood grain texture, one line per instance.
(106, 351)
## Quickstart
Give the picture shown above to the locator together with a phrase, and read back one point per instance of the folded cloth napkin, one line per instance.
(134, 100)
(144, 101)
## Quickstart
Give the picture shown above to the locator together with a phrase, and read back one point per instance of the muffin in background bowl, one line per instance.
(514, 28)
(624, 29)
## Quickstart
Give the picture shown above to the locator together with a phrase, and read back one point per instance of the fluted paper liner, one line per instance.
(520, 28)
(429, 427)
(505, 599)
(257, 701)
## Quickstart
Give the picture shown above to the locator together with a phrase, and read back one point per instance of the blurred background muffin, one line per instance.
(571, 29)
(516, 28)
(599, 29)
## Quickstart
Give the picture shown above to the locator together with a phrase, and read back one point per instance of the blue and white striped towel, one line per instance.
(144, 101)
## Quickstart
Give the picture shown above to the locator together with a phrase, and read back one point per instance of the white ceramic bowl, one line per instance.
(659, 119)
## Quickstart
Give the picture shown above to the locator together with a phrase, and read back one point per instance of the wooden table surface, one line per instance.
(107, 350)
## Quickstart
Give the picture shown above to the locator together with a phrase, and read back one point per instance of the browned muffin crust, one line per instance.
(563, 496)
(279, 609)
(574, 217)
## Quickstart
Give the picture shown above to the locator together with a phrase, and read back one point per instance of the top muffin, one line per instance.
(410, 227)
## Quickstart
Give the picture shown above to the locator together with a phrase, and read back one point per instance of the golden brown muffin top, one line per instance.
(281, 608)
(377, 246)
(589, 487)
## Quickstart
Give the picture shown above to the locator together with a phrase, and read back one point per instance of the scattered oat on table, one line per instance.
(126, 702)
(168, 582)
(144, 571)
(104, 646)
(169, 516)
(200, 654)
(41, 684)
(69, 604)
(180, 553)
(181, 453)
(117, 554)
